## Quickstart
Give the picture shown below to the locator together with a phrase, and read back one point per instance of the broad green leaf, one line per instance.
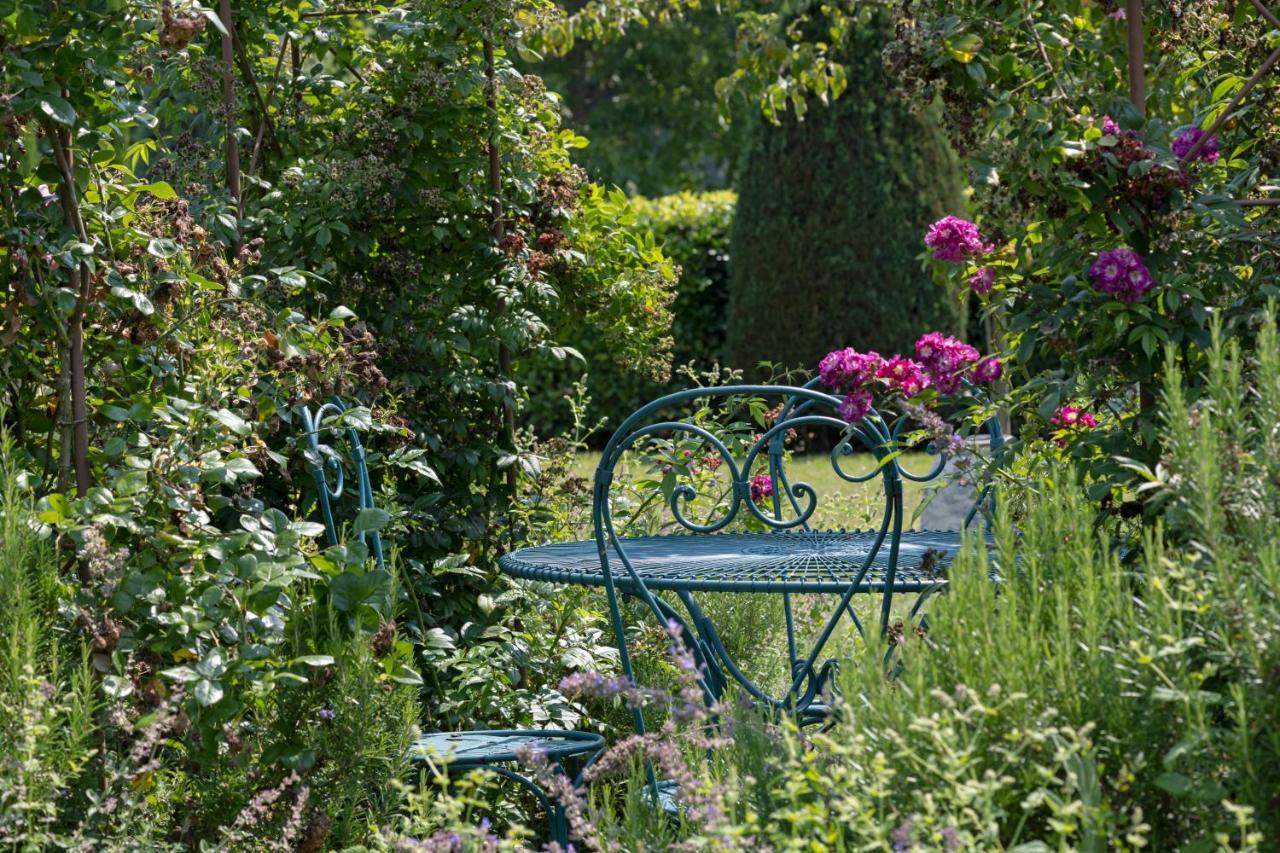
(58, 109)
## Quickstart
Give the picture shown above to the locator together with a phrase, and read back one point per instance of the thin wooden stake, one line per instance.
(499, 231)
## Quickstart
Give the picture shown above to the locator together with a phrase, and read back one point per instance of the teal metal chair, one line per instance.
(498, 750)
(666, 572)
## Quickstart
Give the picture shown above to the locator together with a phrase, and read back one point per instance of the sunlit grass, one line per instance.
(840, 504)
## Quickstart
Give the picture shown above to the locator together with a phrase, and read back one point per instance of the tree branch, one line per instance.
(229, 104)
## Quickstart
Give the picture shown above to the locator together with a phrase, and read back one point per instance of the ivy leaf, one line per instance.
(185, 674)
(117, 687)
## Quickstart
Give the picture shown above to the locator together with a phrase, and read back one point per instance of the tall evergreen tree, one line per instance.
(831, 213)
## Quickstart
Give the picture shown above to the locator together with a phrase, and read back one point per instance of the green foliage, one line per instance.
(47, 696)
(779, 63)
(647, 103)
(830, 214)
(1092, 698)
(692, 232)
(1025, 89)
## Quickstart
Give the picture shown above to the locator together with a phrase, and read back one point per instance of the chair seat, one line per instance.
(816, 562)
(471, 749)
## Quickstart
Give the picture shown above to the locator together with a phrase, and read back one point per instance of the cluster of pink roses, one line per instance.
(1116, 272)
(941, 362)
(957, 241)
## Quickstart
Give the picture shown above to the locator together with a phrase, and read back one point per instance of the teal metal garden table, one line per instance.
(665, 572)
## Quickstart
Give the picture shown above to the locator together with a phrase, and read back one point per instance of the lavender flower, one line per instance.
(956, 240)
(328, 715)
(942, 435)
(593, 685)
(901, 836)
(1122, 274)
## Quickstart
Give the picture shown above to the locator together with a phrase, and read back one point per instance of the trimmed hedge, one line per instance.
(830, 220)
(693, 230)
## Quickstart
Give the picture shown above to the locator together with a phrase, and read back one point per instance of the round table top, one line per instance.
(818, 562)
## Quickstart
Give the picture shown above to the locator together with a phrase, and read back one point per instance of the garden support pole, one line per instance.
(499, 231)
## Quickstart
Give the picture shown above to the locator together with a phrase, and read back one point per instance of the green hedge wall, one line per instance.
(831, 214)
(693, 230)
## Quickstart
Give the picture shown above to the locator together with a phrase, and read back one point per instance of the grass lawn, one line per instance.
(840, 504)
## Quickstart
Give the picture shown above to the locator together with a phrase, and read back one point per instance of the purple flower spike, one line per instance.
(955, 240)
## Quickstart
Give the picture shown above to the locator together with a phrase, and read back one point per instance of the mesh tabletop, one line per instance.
(745, 562)
(470, 749)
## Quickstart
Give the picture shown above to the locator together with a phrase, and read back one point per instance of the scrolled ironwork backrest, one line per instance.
(784, 490)
(804, 406)
(326, 463)
(793, 503)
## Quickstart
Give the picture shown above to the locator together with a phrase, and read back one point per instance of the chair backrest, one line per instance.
(325, 463)
(783, 494)
(791, 508)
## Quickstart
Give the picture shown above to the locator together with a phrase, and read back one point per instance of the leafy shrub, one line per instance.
(692, 230)
(830, 212)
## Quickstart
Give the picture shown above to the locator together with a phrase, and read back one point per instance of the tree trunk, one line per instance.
(82, 283)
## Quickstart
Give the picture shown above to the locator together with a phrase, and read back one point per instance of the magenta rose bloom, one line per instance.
(945, 360)
(1185, 141)
(856, 404)
(847, 369)
(1072, 417)
(761, 487)
(982, 281)
(955, 240)
(1122, 274)
(988, 370)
